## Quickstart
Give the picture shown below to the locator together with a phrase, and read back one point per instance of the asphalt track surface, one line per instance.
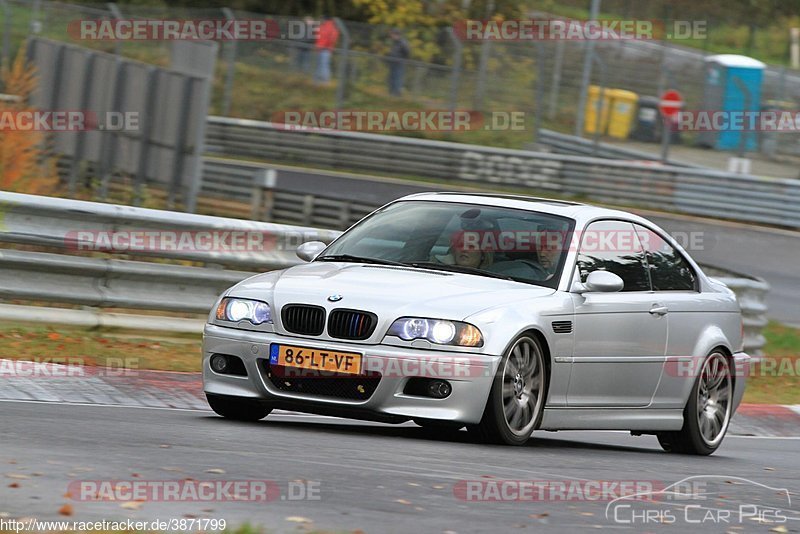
(377, 478)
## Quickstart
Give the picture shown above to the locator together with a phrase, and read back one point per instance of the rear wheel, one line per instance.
(707, 413)
(516, 400)
(237, 408)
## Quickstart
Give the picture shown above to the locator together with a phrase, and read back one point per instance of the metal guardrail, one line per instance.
(751, 292)
(79, 225)
(681, 189)
(560, 143)
(75, 226)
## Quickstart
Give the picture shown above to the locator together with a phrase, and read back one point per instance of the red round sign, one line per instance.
(671, 103)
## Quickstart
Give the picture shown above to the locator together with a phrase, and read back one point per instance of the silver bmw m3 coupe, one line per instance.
(502, 314)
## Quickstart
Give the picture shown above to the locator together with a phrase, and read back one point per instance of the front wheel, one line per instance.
(516, 400)
(238, 409)
(707, 413)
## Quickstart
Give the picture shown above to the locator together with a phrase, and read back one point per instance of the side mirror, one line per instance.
(310, 250)
(599, 282)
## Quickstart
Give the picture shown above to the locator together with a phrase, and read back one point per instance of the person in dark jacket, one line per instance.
(396, 58)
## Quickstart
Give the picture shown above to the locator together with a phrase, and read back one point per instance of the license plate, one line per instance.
(315, 359)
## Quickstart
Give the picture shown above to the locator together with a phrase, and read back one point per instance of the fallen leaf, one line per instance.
(539, 516)
(782, 529)
(587, 513)
(165, 446)
(216, 471)
(66, 510)
(413, 484)
(17, 476)
(54, 336)
(14, 485)
(402, 501)
(298, 519)
(439, 486)
(131, 505)
(769, 469)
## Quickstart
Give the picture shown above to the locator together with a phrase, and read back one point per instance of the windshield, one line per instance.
(521, 245)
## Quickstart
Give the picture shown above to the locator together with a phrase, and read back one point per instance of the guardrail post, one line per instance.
(587, 73)
(341, 66)
(600, 102)
(308, 209)
(230, 66)
(555, 87)
(455, 74)
(36, 24)
(264, 181)
(539, 91)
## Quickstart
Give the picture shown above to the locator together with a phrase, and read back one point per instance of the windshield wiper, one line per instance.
(460, 269)
(360, 259)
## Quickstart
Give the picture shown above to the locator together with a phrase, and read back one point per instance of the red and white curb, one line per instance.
(76, 384)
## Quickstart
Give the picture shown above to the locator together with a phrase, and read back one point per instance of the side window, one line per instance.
(613, 246)
(669, 271)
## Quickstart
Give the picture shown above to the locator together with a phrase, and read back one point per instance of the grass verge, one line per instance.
(776, 379)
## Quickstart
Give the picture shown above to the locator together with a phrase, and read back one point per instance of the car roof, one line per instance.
(574, 210)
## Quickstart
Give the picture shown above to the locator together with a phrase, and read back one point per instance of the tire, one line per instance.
(707, 413)
(238, 409)
(516, 401)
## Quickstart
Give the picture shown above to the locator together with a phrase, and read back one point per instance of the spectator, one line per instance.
(326, 42)
(396, 58)
(305, 44)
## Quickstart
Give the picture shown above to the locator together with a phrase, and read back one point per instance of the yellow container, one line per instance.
(593, 106)
(623, 112)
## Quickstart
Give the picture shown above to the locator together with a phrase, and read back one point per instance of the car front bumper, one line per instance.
(741, 369)
(470, 383)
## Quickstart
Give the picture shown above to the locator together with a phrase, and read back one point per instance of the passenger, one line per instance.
(465, 255)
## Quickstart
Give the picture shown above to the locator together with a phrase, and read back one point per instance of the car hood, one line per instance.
(385, 290)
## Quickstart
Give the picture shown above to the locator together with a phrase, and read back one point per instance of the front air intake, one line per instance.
(303, 319)
(351, 324)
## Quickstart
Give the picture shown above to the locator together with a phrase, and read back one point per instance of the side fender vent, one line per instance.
(562, 327)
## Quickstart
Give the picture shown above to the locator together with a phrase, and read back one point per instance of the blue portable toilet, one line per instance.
(733, 83)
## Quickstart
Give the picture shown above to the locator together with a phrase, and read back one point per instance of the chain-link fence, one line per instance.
(257, 79)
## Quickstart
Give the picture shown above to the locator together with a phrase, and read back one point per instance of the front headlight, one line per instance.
(235, 310)
(437, 331)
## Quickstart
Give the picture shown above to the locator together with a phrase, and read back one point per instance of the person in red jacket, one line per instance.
(326, 42)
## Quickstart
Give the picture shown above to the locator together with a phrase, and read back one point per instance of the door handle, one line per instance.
(659, 310)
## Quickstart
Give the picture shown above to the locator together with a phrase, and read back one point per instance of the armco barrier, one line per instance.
(682, 189)
(123, 283)
(751, 292)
